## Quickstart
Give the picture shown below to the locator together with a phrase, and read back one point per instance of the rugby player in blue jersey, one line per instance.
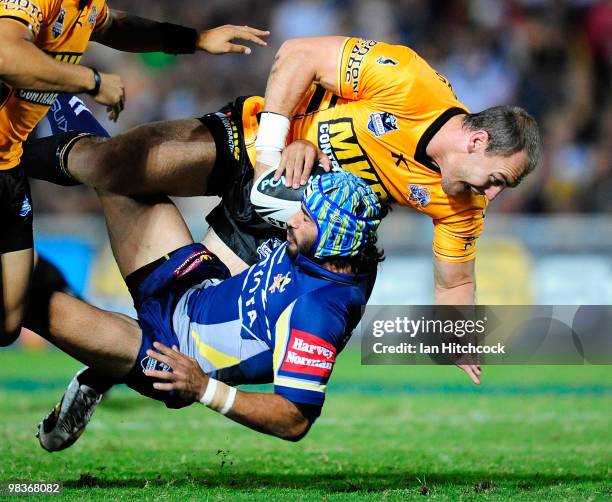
(200, 331)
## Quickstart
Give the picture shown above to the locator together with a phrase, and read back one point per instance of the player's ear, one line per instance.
(478, 140)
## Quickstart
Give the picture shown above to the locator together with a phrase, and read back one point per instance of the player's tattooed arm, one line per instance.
(129, 33)
(25, 66)
(263, 412)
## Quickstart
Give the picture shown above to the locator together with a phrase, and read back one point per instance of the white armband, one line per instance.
(271, 138)
(219, 396)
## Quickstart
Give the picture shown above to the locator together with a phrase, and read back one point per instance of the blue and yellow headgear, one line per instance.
(346, 210)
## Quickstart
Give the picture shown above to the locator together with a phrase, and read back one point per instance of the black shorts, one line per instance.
(39, 155)
(234, 220)
(15, 211)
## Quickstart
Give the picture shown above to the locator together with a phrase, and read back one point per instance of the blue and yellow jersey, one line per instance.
(283, 320)
(387, 105)
(62, 29)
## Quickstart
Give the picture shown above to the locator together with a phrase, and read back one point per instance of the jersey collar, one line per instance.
(312, 268)
(420, 155)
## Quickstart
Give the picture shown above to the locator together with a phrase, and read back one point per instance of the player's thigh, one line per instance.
(171, 158)
(230, 259)
(106, 341)
(15, 272)
(142, 229)
(16, 243)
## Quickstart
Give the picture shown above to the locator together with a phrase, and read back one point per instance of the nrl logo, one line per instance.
(381, 123)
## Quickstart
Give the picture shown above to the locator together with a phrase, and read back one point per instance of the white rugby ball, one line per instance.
(275, 202)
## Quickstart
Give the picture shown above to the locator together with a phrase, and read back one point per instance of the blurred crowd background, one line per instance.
(548, 242)
(553, 57)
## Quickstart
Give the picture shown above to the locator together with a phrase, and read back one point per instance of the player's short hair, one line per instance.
(511, 129)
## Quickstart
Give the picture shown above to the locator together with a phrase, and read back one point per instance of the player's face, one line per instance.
(301, 234)
(484, 174)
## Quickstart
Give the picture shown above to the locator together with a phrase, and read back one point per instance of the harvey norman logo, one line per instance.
(303, 346)
(309, 355)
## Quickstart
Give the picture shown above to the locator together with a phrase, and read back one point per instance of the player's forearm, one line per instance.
(291, 75)
(269, 413)
(25, 66)
(129, 33)
(463, 294)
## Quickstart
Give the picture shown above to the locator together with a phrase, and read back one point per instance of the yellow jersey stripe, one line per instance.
(282, 336)
(216, 357)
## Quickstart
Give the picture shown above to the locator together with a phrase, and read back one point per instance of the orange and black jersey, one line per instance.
(62, 29)
(377, 123)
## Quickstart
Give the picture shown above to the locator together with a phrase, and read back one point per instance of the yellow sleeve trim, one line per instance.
(455, 259)
(299, 384)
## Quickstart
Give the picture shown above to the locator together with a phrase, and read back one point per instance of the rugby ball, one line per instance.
(275, 202)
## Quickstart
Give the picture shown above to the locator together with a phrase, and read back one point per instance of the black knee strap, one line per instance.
(47, 158)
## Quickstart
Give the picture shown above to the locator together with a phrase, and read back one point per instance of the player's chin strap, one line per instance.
(219, 396)
(271, 138)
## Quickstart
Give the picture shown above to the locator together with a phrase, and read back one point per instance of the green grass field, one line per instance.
(386, 433)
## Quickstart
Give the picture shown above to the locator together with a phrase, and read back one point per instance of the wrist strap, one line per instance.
(218, 396)
(272, 132)
(271, 138)
(178, 39)
(97, 83)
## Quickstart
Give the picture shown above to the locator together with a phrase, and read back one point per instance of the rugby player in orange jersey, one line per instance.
(41, 43)
(375, 109)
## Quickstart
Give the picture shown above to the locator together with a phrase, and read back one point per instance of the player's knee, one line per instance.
(97, 163)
